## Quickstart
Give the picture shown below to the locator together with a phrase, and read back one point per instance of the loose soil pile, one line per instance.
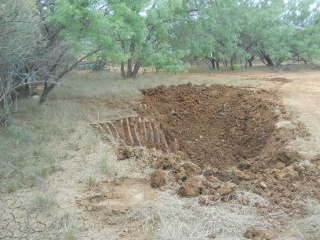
(217, 139)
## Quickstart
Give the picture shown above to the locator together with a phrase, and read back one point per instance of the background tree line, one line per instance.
(42, 40)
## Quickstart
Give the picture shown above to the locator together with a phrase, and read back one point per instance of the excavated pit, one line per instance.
(214, 126)
(214, 140)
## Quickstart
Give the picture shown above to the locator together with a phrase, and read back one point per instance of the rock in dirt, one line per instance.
(316, 159)
(213, 179)
(263, 185)
(191, 187)
(255, 234)
(210, 172)
(158, 178)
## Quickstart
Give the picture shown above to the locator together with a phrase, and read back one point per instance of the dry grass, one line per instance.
(308, 227)
(172, 217)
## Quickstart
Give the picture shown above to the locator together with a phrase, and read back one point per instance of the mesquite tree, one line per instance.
(19, 35)
(142, 34)
(69, 29)
(43, 40)
(238, 31)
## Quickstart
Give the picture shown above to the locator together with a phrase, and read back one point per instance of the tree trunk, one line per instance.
(130, 73)
(136, 69)
(45, 92)
(250, 60)
(217, 63)
(129, 68)
(232, 60)
(231, 65)
(269, 61)
(225, 62)
(265, 56)
(123, 71)
(279, 62)
(213, 65)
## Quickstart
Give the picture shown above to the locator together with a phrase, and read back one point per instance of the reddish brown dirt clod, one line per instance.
(181, 175)
(191, 187)
(185, 170)
(158, 178)
(191, 168)
(242, 175)
(165, 162)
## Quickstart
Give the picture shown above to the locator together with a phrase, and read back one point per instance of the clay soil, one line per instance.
(233, 134)
(217, 126)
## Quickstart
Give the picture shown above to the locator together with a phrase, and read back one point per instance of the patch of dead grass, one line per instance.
(172, 217)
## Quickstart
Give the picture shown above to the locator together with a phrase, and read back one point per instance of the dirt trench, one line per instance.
(216, 139)
(217, 126)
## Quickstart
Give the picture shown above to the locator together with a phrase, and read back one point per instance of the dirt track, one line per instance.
(303, 94)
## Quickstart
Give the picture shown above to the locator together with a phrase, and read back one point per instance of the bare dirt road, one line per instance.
(303, 94)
